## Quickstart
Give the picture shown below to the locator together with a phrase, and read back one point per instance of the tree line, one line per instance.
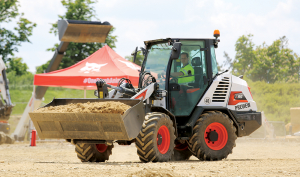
(269, 63)
(272, 72)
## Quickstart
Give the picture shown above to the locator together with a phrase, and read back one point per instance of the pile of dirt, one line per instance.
(153, 173)
(89, 107)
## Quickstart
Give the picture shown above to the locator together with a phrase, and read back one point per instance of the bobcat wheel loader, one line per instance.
(167, 119)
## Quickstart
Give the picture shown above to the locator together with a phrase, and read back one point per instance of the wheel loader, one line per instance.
(182, 107)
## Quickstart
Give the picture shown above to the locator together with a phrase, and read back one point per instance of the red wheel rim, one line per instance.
(163, 139)
(222, 136)
(101, 147)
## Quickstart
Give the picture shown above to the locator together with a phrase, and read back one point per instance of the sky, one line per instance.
(137, 21)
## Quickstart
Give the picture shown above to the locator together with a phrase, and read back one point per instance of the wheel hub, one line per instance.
(163, 139)
(213, 136)
(159, 139)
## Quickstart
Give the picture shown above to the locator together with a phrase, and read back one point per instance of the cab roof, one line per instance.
(155, 41)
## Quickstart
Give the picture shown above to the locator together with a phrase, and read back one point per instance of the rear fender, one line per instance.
(200, 109)
(245, 102)
(245, 122)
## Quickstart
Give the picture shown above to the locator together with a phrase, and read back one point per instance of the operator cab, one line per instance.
(186, 90)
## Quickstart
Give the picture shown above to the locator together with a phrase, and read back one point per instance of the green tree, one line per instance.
(245, 56)
(42, 68)
(79, 10)
(227, 64)
(20, 82)
(16, 65)
(10, 40)
(139, 58)
(274, 63)
(220, 67)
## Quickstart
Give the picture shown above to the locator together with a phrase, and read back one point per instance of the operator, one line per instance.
(186, 73)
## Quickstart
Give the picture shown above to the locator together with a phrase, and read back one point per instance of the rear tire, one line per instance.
(213, 136)
(181, 152)
(93, 152)
(155, 142)
(9, 140)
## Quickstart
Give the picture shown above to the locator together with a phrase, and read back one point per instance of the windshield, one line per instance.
(157, 61)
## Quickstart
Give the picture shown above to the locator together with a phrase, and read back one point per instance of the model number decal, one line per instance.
(242, 106)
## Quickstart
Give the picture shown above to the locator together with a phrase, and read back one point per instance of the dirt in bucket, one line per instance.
(89, 107)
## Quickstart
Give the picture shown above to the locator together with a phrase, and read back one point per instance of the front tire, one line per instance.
(214, 136)
(93, 152)
(155, 142)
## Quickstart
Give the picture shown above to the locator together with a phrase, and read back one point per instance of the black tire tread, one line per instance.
(89, 153)
(144, 141)
(198, 150)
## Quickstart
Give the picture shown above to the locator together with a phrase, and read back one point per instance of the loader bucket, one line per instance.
(82, 31)
(90, 126)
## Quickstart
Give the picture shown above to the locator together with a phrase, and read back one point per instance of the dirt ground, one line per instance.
(249, 158)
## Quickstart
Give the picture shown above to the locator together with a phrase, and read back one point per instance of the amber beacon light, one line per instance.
(216, 33)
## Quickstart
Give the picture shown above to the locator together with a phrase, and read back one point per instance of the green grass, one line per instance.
(20, 98)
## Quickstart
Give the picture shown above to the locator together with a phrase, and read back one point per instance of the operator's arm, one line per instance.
(177, 74)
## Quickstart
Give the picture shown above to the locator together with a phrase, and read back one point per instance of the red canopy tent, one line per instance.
(104, 64)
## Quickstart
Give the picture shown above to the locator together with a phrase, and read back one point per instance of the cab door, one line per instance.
(185, 91)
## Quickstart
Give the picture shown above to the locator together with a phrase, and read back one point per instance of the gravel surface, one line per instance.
(249, 158)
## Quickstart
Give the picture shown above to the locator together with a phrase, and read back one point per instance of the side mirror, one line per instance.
(134, 54)
(176, 49)
(143, 50)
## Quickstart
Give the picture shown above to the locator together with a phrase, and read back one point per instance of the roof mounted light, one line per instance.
(216, 33)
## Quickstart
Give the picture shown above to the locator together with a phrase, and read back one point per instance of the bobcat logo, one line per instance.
(91, 67)
(207, 100)
(130, 65)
